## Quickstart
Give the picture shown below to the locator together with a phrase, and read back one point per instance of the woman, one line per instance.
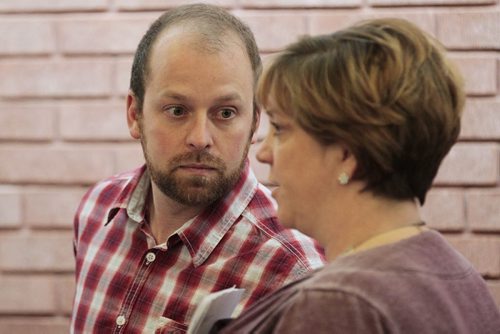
(361, 120)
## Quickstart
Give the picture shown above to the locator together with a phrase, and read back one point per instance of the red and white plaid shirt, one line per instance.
(125, 283)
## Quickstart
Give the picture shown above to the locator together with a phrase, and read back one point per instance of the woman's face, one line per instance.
(303, 171)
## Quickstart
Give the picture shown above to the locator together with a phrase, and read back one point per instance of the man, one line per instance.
(152, 242)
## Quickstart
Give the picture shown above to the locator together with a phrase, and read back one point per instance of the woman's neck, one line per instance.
(388, 237)
(368, 217)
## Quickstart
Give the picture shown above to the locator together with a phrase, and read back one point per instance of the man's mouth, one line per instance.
(197, 165)
(197, 168)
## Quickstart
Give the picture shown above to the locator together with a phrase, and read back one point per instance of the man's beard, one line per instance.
(194, 190)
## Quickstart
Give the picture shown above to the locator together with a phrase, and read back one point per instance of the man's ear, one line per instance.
(256, 122)
(133, 116)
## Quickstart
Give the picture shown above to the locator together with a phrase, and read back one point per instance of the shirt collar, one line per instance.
(134, 188)
(136, 204)
(202, 233)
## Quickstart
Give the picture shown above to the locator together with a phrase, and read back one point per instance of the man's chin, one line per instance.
(195, 197)
(195, 191)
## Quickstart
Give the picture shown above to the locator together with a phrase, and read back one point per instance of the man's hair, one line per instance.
(211, 22)
(384, 89)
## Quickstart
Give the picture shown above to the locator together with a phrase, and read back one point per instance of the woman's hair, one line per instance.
(384, 89)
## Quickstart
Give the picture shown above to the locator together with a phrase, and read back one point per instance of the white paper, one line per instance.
(215, 306)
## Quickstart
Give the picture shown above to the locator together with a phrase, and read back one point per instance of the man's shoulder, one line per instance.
(262, 206)
(113, 190)
(261, 212)
(119, 182)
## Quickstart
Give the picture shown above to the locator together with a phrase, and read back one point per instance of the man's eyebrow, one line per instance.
(175, 96)
(229, 97)
(220, 99)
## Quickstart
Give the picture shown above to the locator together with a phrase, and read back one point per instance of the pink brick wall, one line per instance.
(64, 69)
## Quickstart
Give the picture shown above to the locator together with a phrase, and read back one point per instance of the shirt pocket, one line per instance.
(169, 326)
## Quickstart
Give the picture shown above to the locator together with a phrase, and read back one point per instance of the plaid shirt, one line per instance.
(126, 283)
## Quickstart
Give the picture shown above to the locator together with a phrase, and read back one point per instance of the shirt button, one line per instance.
(150, 257)
(120, 321)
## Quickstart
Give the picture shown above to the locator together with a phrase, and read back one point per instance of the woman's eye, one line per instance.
(226, 113)
(276, 127)
(176, 111)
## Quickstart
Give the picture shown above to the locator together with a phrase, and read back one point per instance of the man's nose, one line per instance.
(199, 136)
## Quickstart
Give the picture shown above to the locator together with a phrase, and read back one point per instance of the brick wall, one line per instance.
(64, 69)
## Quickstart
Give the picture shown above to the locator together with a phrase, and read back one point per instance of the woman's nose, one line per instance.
(265, 154)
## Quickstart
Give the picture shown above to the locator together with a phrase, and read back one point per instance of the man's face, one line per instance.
(197, 117)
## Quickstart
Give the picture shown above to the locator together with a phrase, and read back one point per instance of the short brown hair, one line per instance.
(384, 89)
(213, 22)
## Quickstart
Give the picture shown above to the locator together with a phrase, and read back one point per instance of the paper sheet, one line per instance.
(215, 306)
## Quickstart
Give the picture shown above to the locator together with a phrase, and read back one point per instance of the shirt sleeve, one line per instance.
(331, 312)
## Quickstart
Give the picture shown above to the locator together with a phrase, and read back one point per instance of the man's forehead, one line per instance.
(200, 35)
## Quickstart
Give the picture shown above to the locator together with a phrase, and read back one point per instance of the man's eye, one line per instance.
(226, 113)
(176, 111)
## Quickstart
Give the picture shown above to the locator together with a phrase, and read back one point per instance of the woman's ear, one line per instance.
(348, 160)
(133, 116)
(342, 162)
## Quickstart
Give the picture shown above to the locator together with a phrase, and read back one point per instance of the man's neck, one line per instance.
(165, 215)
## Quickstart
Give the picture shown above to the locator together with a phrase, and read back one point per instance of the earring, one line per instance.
(343, 178)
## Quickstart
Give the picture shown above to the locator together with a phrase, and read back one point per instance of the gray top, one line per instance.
(417, 285)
